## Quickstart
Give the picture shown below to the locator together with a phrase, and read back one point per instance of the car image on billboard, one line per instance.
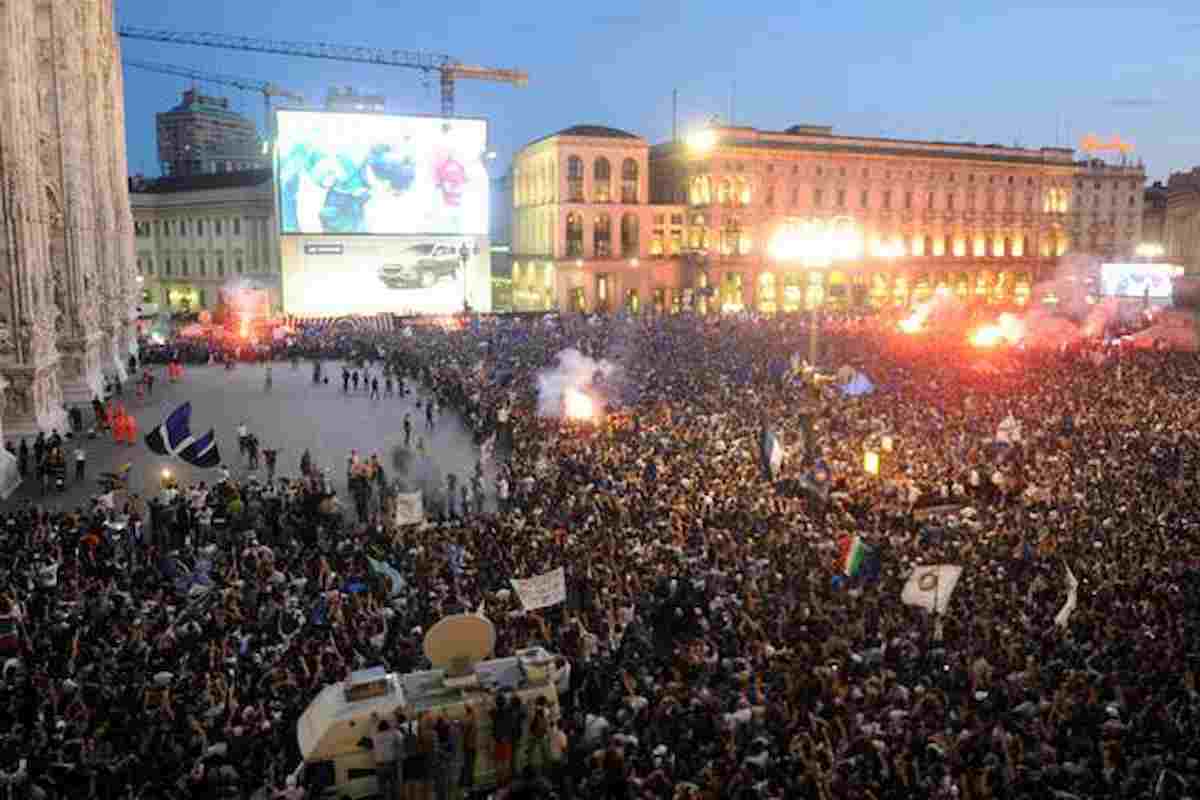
(423, 265)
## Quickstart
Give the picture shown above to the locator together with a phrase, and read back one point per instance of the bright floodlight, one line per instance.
(577, 405)
(702, 141)
(1150, 250)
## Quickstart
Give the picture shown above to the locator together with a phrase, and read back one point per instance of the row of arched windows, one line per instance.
(602, 188)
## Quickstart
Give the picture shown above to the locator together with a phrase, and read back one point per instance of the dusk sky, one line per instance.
(974, 71)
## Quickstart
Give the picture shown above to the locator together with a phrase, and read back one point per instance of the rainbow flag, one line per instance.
(853, 554)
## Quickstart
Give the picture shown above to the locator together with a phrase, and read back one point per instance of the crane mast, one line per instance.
(448, 69)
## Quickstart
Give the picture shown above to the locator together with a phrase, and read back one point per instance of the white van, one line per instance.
(332, 729)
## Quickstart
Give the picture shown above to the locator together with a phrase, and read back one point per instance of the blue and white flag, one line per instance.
(455, 555)
(858, 386)
(771, 453)
(173, 434)
(202, 452)
(174, 438)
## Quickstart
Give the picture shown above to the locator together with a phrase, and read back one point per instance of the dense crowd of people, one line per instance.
(718, 647)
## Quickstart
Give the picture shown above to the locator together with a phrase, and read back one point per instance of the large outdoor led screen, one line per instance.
(334, 276)
(380, 174)
(1138, 280)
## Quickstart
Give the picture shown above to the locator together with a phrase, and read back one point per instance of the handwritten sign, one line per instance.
(540, 591)
(410, 510)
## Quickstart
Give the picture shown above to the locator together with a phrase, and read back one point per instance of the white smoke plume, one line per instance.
(572, 371)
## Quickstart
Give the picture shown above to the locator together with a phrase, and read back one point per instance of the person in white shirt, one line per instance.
(80, 463)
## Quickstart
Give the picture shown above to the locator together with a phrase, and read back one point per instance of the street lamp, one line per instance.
(816, 244)
(702, 141)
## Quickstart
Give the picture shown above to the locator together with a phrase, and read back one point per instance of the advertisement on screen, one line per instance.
(329, 276)
(380, 175)
(1138, 280)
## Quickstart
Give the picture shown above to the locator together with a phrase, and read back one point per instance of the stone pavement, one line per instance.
(292, 416)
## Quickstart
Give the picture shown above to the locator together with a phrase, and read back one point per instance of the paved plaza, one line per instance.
(293, 415)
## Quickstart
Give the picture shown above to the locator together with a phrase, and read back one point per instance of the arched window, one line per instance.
(574, 235)
(629, 236)
(602, 236)
(743, 192)
(927, 250)
(724, 193)
(629, 181)
(701, 191)
(574, 179)
(601, 181)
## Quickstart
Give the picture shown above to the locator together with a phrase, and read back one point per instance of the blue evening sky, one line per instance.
(979, 71)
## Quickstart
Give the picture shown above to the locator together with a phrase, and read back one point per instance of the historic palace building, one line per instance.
(67, 284)
(584, 235)
(199, 234)
(1181, 229)
(985, 221)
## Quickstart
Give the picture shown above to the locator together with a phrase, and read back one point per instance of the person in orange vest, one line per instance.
(131, 431)
(111, 415)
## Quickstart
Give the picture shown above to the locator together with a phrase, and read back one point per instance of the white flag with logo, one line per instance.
(930, 587)
(547, 589)
(410, 509)
(1064, 615)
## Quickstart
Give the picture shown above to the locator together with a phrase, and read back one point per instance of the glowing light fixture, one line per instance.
(702, 141)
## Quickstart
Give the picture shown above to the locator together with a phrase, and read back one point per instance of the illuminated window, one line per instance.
(656, 245)
(629, 236)
(574, 179)
(601, 181)
(743, 192)
(574, 235)
(701, 191)
(947, 246)
(629, 181)
(725, 192)
(602, 290)
(602, 236)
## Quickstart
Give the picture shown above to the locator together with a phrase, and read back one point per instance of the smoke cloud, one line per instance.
(572, 371)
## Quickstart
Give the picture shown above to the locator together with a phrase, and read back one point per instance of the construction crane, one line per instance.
(448, 69)
(267, 90)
